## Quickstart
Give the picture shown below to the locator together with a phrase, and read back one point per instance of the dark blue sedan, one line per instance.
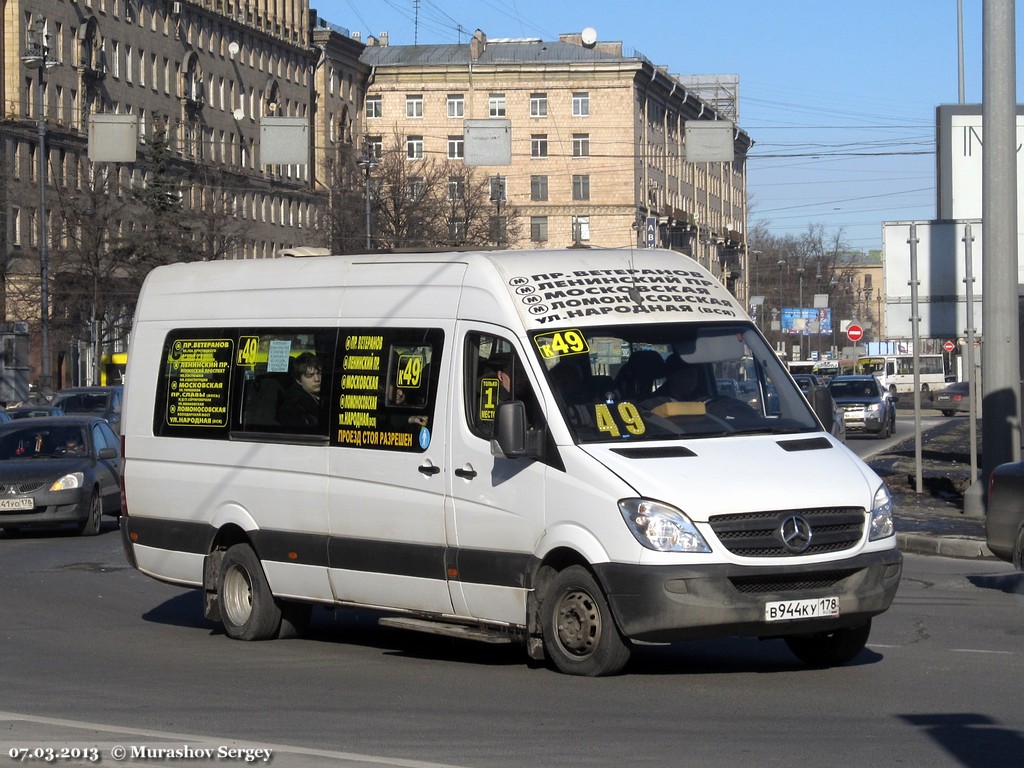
(59, 470)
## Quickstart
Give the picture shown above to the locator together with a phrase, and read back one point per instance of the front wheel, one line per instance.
(247, 607)
(948, 413)
(94, 521)
(829, 649)
(580, 635)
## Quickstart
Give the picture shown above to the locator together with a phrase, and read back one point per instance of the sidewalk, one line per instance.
(933, 521)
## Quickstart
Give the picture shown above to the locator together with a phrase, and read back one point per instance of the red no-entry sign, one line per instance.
(949, 346)
(855, 333)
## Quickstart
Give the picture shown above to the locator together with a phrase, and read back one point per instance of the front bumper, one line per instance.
(666, 603)
(46, 516)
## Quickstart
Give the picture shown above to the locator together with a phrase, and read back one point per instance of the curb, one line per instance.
(947, 546)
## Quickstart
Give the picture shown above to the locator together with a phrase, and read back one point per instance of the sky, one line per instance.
(839, 97)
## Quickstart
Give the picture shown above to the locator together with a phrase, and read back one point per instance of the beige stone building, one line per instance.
(597, 140)
(597, 151)
(203, 73)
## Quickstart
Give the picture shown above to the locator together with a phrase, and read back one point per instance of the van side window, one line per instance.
(494, 375)
(385, 385)
(245, 383)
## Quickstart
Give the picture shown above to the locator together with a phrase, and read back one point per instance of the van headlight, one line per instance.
(881, 515)
(660, 527)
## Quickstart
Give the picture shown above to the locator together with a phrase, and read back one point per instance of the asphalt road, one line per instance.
(96, 656)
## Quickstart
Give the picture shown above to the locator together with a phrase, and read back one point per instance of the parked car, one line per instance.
(32, 411)
(58, 470)
(94, 401)
(818, 395)
(1004, 516)
(953, 398)
(866, 405)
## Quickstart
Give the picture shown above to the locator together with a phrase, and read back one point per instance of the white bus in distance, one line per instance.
(896, 372)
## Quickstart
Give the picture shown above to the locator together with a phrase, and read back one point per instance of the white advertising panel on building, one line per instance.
(487, 142)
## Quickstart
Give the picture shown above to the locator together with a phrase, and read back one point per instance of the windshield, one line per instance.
(83, 402)
(42, 442)
(666, 381)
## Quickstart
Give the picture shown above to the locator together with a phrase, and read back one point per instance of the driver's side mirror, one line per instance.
(513, 439)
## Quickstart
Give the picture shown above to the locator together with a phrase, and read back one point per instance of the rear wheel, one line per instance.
(92, 524)
(948, 413)
(580, 635)
(247, 607)
(828, 649)
(1018, 554)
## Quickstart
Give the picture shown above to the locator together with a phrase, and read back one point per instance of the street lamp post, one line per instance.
(782, 348)
(37, 57)
(800, 309)
(368, 162)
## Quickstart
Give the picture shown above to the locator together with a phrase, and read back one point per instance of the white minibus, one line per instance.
(896, 372)
(521, 446)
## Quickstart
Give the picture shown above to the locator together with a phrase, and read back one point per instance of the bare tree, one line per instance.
(423, 203)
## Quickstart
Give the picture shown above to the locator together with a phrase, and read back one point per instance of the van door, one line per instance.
(495, 513)
(387, 480)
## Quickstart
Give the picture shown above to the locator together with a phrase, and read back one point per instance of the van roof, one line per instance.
(544, 287)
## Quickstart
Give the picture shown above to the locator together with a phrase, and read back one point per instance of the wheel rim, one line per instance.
(578, 623)
(95, 514)
(237, 589)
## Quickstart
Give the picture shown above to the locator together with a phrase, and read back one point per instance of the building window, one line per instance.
(539, 145)
(457, 230)
(581, 187)
(538, 105)
(375, 146)
(456, 147)
(499, 192)
(580, 104)
(580, 228)
(374, 107)
(538, 228)
(456, 105)
(414, 106)
(496, 105)
(538, 188)
(415, 188)
(16, 225)
(414, 148)
(497, 226)
(581, 145)
(456, 188)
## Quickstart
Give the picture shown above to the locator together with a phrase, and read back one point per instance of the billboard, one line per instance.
(941, 271)
(806, 321)
(960, 142)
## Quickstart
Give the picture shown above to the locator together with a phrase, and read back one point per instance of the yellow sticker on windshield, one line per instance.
(561, 344)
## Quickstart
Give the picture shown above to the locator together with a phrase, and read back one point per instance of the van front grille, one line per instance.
(759, 534)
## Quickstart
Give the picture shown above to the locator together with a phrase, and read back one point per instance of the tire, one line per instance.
(1018, 553)
(247, 607)
(829, 649)
(295, 619)
(949, 413)
(94, 521)
(886, 431)
(580, 636)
